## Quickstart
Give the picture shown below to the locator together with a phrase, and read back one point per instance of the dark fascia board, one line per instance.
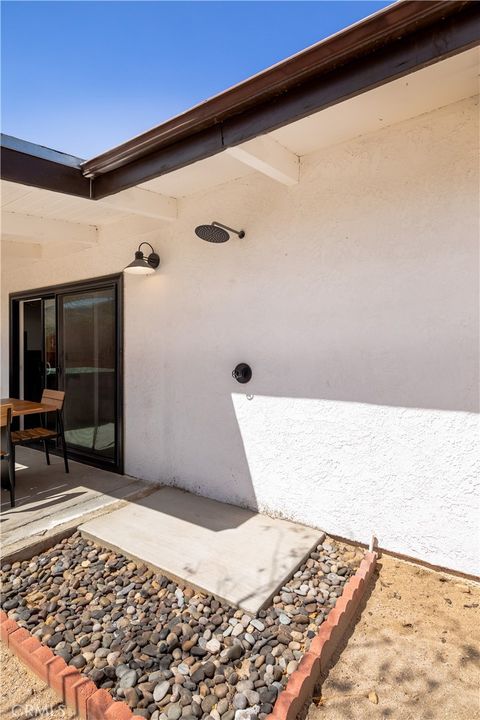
(398, 40)
(29, 148)
(29, 164)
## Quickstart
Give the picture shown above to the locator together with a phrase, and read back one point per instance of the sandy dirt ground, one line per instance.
(23, 696)
(414, 654)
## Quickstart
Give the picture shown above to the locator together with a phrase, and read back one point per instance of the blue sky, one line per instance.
(84, 76)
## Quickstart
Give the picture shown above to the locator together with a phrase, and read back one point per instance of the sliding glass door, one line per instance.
(69, 338)
(88, 369)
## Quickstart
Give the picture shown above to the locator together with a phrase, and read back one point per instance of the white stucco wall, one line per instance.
(354, 297)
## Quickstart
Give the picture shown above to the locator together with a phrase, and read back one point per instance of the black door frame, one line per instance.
(52, 291)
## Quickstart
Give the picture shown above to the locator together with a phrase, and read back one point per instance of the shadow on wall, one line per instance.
(302, 457)
(352, 468)
(343, 431)
(297, 363)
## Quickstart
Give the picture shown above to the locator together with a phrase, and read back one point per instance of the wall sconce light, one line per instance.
(143, 264)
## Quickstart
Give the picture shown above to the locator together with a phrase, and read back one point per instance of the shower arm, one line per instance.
(240, 233)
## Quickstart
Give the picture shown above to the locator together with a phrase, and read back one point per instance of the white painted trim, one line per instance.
(270, 158)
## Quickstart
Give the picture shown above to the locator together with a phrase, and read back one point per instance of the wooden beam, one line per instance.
(143, 202)
(47, 229)
(28, 164)
(268, 157)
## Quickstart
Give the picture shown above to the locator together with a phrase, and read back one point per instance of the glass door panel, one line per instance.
(88, 371)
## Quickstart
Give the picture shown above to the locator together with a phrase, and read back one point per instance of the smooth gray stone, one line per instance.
(174, 712)
(240, 701)
(161, 690)
(128, 679)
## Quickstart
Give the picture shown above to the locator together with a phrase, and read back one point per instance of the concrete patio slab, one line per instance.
(235, 554)
(49, 501)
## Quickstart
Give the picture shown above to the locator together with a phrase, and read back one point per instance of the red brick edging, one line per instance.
(75, 689)
(302, 682)
(91, 703)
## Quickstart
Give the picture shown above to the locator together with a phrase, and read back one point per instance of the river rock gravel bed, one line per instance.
(169, 651)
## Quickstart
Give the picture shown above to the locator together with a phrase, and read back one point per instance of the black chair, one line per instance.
(7, 451)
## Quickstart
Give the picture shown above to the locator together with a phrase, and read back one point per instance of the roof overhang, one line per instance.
(37, 166)
(396, 41)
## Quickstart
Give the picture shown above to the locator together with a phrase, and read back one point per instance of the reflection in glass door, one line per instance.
(50, 343)
(37, 352)
(88, 370)
(31, 350)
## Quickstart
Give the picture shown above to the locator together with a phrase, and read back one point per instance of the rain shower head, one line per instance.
(216, 232)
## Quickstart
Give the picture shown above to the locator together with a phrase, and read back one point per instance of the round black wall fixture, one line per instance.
(242, 373)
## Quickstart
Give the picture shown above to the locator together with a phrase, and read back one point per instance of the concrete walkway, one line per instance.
(235, 554)
(49, 502)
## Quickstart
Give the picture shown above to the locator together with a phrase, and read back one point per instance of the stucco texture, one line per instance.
(354, 297)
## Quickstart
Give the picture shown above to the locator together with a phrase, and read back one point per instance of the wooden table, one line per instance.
(22, 407)
(27, 407)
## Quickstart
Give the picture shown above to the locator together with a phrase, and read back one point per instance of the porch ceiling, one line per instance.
(25, 200)
(420, 92)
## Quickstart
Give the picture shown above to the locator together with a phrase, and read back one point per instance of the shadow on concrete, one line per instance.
(28, 506)
(48, 498)
(197, 513)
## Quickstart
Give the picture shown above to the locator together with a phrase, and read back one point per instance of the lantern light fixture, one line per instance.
(143, 264)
